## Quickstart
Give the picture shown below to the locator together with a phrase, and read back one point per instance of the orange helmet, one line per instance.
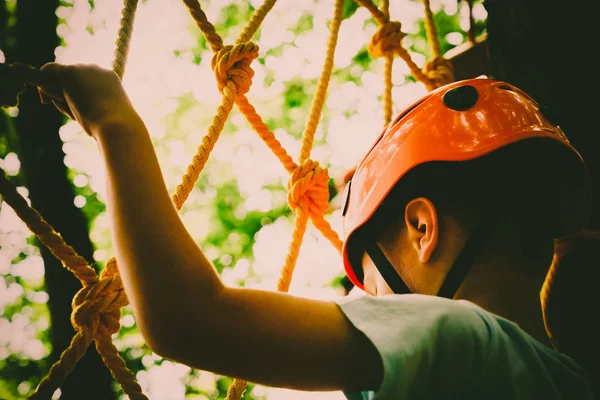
(460, 121)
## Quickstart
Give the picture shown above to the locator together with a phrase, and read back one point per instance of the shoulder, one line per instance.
(426, 311)
(422, 323)
(419, 337)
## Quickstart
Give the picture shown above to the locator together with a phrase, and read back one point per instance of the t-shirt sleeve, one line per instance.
(428, 345)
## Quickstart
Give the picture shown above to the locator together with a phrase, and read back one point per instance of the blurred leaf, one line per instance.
(295, 96)
(350, 7)
(363, 58)
(305, 23)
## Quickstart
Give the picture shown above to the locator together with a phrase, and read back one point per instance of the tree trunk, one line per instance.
(544, 47)
(51, 193)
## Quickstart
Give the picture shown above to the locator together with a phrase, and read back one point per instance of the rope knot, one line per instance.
(440, 71)
(97, 307)
(231, 64)
(387, 38)
(308, 188)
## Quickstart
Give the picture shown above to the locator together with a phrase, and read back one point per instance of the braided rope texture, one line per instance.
(97, 306)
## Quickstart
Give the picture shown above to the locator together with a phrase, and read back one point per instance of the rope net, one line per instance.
(97, 306)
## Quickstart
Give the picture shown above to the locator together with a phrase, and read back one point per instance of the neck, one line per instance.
(506, 280)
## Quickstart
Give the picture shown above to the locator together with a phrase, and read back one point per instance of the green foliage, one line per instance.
(445, 24)
(295, 95)
(200, 47)
(231, 229)
(305, 23)
(362, 58)
(350, 7)
(233, 233)
(233, 18)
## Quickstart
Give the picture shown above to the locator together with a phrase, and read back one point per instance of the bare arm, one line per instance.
(181, 306)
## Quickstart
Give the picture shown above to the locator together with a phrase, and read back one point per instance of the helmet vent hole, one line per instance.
(461, 98)
(506, 87)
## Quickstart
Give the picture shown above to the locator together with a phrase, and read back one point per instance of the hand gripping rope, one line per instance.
(97, 306)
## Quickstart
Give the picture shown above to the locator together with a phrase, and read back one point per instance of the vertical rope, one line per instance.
(388, 86)
(319, 99)
(387, 73)
(431, 30)
(238, 387)
(124, 37)
(96, 307)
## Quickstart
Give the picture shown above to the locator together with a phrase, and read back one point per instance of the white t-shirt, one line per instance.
(435, 348)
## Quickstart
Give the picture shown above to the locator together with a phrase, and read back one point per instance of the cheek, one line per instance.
(374, 283)
(382, 286)
(370, 282)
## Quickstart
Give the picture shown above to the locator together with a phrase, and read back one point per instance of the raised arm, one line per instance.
(181, 306)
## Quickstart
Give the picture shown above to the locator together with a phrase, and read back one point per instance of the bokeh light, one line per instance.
(170, 83)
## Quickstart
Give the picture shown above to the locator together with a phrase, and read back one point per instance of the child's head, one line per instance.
(446, 173)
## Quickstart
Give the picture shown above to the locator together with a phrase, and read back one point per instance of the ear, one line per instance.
(421, 220)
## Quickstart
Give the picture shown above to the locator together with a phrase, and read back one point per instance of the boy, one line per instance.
(452, 202)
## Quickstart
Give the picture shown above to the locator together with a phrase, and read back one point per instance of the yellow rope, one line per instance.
(439, 69)
(387, 73)
(124, 37)
(388, 83)
(388, 37)
(431, 31)
(97, 306)
(308, 190)
(255, 21)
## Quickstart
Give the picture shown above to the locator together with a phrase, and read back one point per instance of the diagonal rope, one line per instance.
(437, 72)
(96, 307)
(308, 191)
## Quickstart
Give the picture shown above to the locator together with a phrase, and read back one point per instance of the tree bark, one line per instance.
(51, 193)
(544, 47)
